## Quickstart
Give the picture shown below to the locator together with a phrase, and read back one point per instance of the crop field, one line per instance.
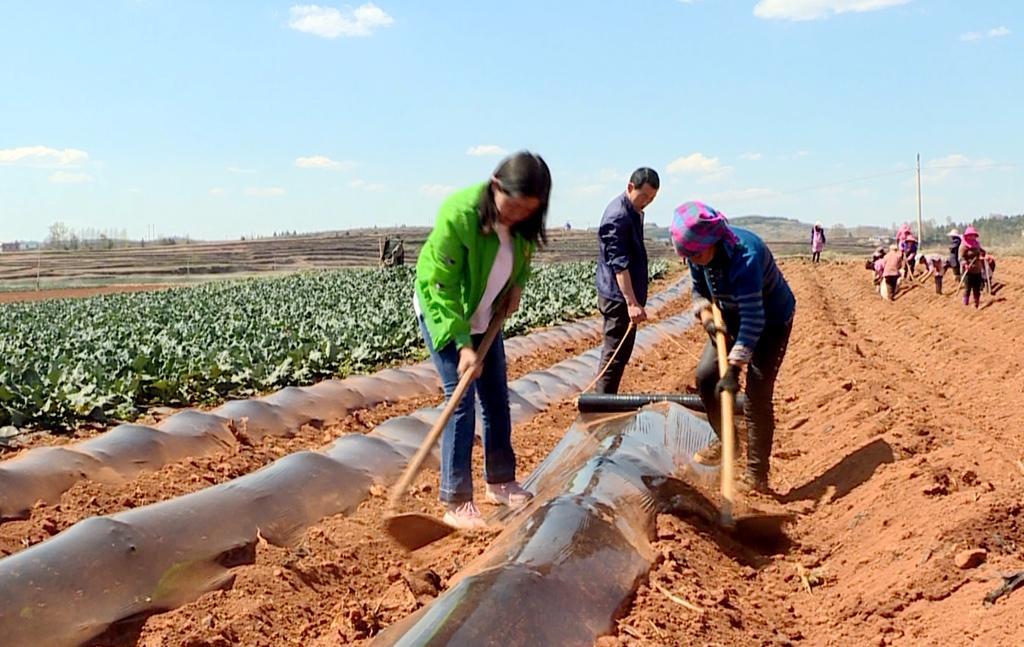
(112, 356)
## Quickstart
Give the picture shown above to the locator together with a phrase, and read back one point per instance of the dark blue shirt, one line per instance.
(750, 290)
(621, 247)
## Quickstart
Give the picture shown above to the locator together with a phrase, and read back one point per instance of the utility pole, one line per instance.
(920, 227)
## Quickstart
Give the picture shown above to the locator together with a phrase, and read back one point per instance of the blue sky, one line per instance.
(218, 119)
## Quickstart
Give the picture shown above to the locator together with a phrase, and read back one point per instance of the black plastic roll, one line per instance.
(609, 402)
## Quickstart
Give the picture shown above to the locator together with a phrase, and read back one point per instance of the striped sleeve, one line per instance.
(748, 280)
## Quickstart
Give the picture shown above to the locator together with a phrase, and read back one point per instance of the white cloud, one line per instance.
(265, 191)
(997, 32)
(42, 156)
(794, 156)
(742, 195)
(321, 161)
(236, 169)
(751, 157)
(707, 169)
(65, 177)
(436, 190)
(217, 191)
(366, 186)
(589, 189)
(818, 9)
(941, 168)
(328, 22)
(485, 150)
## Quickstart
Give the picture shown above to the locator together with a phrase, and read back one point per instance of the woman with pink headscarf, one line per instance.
(817, 242)
(972, 263)
(734, 268)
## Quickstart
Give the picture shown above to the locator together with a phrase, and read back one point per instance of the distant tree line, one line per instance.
(62, 236)
(994, 229)
(998, 229)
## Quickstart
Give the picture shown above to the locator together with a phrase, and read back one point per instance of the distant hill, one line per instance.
(790, 230)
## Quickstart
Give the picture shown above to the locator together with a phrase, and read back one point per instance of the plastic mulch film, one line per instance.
(106, 569)
(565, 566)
(125, 566)
(44, 474)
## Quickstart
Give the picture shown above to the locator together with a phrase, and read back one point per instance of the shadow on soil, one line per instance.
(855, 469)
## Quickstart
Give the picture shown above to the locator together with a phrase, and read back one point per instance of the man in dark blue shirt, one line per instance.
(622, 274)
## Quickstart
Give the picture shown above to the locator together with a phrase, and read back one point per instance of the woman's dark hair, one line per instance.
(520, 175)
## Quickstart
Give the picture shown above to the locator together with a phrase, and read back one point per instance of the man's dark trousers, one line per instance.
(616, 326)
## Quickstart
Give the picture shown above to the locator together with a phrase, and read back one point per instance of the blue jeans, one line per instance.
(457, 440)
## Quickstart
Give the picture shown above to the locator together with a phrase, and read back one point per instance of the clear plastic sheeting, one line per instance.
(563, 567)
(44, 474)
(106, 570)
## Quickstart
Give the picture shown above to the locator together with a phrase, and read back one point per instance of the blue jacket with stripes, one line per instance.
(749, 288)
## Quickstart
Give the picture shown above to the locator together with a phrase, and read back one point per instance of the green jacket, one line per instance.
(453, 266)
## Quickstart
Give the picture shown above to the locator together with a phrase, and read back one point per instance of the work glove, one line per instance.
(712, 329)
(731, 381)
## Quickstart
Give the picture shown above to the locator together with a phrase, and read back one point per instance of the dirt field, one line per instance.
(77, 272)
(88, 272)
(897, 449)
(14, 296)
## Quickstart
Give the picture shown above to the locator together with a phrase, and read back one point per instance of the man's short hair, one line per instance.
(644, 175)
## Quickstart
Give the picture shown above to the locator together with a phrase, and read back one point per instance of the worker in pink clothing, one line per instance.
(875, 265)
(817, 242)
(901, 234)
(892, 263)
(973, 264)
(909, 249)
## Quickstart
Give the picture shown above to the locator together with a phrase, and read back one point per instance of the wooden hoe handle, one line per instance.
(413, 468)
(728, 431)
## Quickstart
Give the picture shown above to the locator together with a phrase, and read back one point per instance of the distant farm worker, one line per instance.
(935, 265)
(972, 263)
(735, 269)
(891, 266)
(817, 242)
(902, 233)
(874, 265)
(954, 251)
(622, 274)
(476, 258)
(909, 248)
(880, 277)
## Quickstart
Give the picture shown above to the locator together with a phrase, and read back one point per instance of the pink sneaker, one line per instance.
(464, 516)
(511, 494)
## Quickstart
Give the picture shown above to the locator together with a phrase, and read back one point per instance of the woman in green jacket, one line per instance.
(478, 255)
